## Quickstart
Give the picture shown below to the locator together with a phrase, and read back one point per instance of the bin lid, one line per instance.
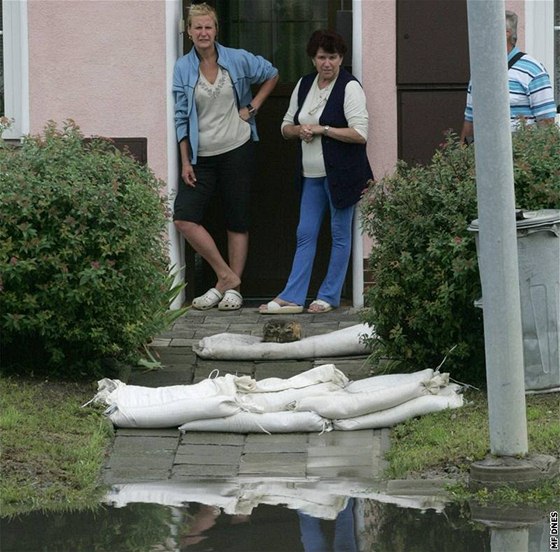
(529, 219)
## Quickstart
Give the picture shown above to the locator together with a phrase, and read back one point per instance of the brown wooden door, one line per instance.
(277, 30)
(432, 73)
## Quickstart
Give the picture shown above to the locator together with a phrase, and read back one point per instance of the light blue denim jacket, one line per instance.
(244, 69)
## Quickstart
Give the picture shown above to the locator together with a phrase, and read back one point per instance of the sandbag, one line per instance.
(449, 398)
(350, 405)
(387, 380)
(320, 374)
(269, 422)
(171, 413)
(226, 346)
(133, 406)
(279, 400)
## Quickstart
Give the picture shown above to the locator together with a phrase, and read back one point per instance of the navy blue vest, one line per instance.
(347, 165)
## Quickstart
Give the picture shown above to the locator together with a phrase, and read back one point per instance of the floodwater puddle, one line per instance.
(263, 515)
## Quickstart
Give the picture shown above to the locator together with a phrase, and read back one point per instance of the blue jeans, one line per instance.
(315, 200)
(314, 540)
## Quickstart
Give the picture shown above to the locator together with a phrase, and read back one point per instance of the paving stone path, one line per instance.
(140, 455)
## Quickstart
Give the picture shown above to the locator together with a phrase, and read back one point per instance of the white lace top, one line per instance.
(220, 127)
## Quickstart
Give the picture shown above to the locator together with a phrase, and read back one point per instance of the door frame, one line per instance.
(174, 49)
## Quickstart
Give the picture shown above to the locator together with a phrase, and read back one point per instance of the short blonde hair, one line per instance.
(203, 8)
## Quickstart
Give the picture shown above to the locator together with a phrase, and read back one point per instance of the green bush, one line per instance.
(423, 261)
(84, 273)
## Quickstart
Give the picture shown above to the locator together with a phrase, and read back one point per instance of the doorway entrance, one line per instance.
(278, 30)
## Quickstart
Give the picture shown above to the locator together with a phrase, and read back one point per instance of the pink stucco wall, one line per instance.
(379, 53)
(101, 63)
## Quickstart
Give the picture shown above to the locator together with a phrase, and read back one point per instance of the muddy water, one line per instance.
(361, 525)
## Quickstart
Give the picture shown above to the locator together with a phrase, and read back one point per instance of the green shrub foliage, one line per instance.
(423, 262)
(84, 272)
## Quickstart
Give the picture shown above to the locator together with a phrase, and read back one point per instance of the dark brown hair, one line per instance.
(329, 40)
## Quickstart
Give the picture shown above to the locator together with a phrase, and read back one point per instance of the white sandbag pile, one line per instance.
(227, 346)
(320, 399)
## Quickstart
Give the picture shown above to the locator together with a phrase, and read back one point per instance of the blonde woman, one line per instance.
(215, 119)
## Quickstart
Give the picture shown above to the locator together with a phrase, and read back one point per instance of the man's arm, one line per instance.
(467, 132)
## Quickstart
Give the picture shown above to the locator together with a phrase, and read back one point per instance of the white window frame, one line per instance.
(16, 66)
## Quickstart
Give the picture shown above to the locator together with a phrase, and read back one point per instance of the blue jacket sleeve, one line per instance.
(181, 105)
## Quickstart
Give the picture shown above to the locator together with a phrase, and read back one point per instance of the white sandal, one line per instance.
(272, 307)
(323, 307)
(210, 299)
(233, 300)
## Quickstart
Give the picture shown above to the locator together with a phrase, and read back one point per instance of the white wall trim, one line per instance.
(357, 237)
(16, 66)
(173, 51)
(539, 32)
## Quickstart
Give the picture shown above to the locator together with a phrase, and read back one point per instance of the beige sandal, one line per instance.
(207, 301)
(233, 300)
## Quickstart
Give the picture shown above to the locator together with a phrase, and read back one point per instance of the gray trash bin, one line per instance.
(538, 250)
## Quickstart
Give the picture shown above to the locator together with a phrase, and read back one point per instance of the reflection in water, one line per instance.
(288, 517)
(314, 535)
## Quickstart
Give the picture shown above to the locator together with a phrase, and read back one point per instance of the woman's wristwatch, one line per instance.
(252, 110)
(326, 129)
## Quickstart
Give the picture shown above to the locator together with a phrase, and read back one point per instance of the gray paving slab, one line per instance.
(206, 460)
(207, 453)
(142, 444)
(183, 332)
(276, 447)
(240, 367)
(182, 471)
(175, 355)
(345, 460)
(155, 461)
(184, 341)
(244, 327)
(147, 432)
(214, 438)
(273, 469)
(269, 458)
(337, 451)
(341, 438)
(134, 475)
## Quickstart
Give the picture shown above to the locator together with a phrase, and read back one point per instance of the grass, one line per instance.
(446, 443)
(52, 449)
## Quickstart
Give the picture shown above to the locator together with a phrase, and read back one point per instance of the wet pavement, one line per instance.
(140, 455)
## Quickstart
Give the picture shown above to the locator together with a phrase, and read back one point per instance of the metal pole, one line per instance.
(498, 241)
(357, 237)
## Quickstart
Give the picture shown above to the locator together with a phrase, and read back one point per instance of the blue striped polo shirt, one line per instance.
(530, 92)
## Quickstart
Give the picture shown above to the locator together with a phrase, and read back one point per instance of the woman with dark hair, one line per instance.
(328, 115)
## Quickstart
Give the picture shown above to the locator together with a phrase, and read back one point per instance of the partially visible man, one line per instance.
(530, 91)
